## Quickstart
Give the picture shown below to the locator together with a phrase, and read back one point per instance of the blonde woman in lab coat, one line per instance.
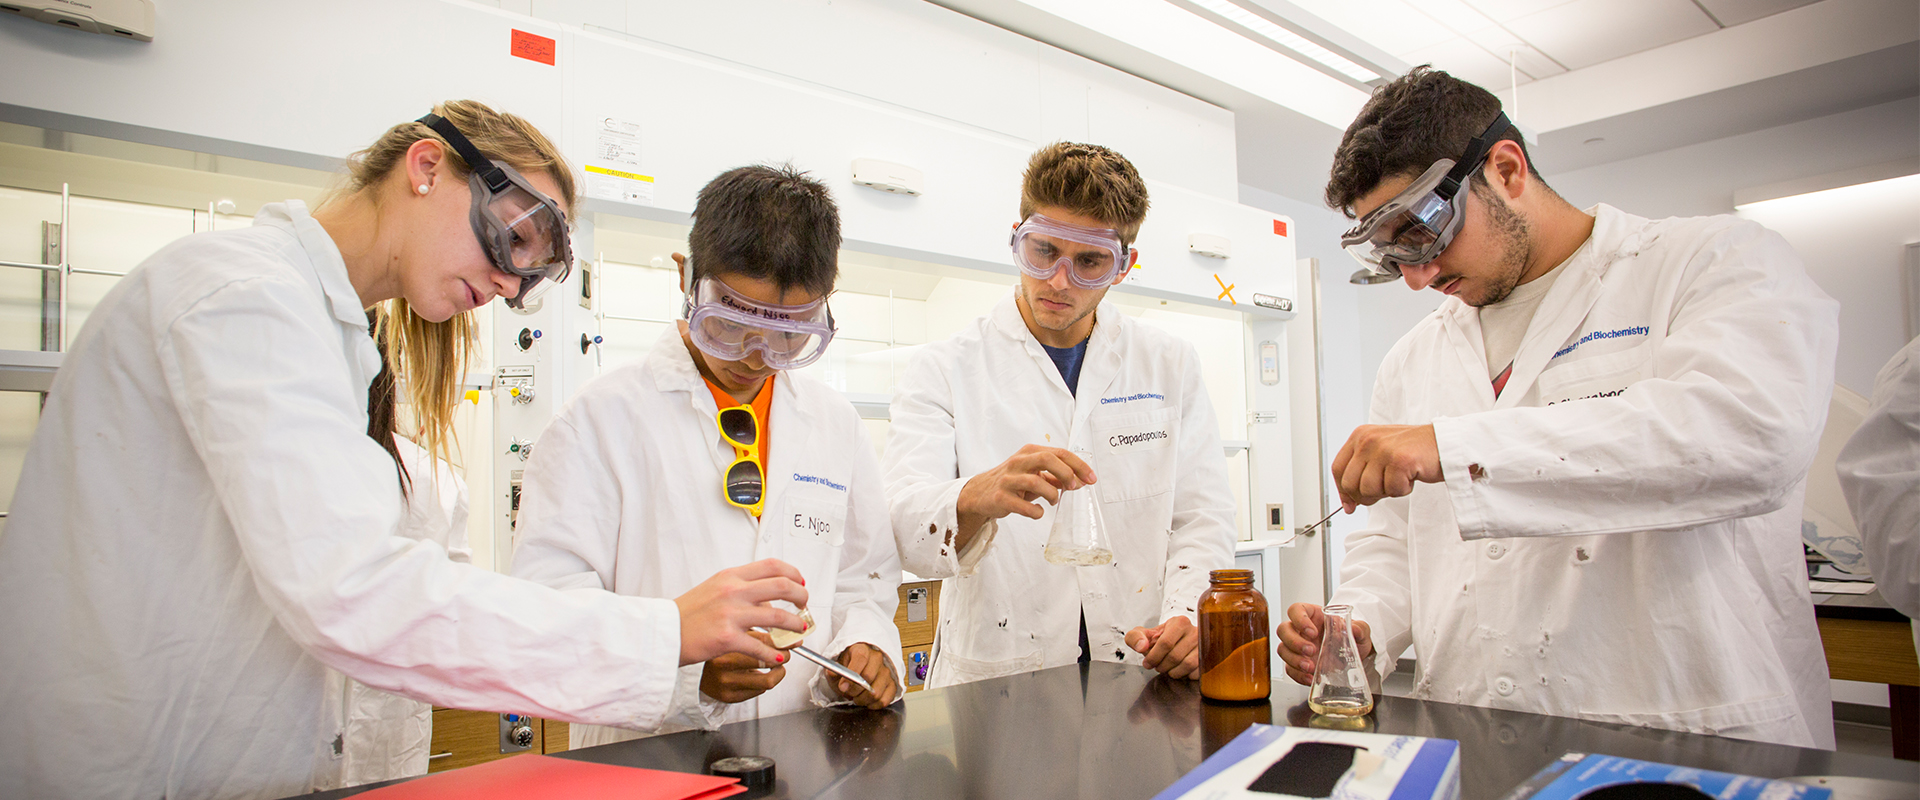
(203, 526)
(385, 736)
(636, 488)
(1587, 465)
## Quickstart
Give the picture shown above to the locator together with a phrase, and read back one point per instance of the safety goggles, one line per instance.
(1091, 256)
(745, 481)
(1416, 226)
(728, 326)
(523, 232)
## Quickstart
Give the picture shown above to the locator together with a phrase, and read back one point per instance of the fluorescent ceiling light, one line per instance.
(1888, 190)
(1261, 26)
(1192, 41)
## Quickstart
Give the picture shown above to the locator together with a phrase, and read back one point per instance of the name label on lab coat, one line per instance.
(1143, 439)
(806, 518)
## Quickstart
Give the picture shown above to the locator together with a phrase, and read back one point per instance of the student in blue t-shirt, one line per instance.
(984, 428)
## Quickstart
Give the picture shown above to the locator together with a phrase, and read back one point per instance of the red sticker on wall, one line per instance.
(533, 47)
(1279, 227)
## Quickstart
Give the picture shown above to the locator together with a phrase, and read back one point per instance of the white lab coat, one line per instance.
(1880, 474)
(1618, 534)
(969, 402)
(385, 736)
(202, 528)
(623, 493)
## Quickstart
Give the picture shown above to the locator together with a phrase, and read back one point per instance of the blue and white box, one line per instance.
(1579, 774)
(1370, 766)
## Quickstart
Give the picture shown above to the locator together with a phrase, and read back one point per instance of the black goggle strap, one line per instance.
(1477, 149)
(494, 177)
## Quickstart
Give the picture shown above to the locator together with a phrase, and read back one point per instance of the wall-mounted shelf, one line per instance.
(28, 370)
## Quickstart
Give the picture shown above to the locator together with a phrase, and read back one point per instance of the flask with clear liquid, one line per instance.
(1339, 676)
(1080, 536)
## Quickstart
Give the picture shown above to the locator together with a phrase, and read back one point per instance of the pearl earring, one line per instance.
(424, 188)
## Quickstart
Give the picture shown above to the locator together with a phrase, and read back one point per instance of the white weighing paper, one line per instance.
(1841, 587)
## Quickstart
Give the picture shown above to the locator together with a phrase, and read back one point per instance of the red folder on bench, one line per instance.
(537, 777)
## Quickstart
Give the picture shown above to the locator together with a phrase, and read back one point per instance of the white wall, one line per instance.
(1854, 241)
(1701, 179)
(818, 83)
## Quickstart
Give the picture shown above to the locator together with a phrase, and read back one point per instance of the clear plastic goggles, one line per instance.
(1418, 224)
(1091, 256)
(523, 232)
(1413, 228)
(728, 326)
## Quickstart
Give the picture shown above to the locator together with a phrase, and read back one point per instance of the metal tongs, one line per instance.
(1323, 521)
(1309, 529)
(828, 664)
(832, 666)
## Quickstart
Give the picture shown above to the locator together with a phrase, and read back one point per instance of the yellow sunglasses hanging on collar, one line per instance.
(745, 481)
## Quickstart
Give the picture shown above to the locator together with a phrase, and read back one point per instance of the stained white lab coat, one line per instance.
(1880, 475)
(1618, 534)
(969, 402)
(623, 492)
(202, 528)
(384, 736)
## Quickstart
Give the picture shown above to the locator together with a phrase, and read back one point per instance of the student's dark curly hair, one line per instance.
(1421, 117)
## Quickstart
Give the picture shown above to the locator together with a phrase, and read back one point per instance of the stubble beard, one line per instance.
(1516, 251)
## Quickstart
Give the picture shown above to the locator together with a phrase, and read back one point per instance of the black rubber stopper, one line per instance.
(754, 772)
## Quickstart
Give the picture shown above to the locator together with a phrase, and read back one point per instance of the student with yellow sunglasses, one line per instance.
(709, 453)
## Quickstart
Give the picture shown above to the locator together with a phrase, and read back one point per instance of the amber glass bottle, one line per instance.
(1234, 653)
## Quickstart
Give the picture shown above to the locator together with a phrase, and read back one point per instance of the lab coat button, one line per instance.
(1495, 550)
(1504, 686)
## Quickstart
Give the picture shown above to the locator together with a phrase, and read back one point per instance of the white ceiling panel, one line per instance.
(1586, 32)
(1391, 25)
(1504, 10)
(1734, 12)
(1467, 61)
(1454, 15)
(1503, 45)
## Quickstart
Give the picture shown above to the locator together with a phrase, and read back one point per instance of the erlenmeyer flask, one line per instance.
(1339, 677)
(1079, 537)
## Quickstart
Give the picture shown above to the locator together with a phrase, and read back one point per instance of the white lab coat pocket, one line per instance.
(1599, 376)
(822, 520)
(956, 669)
(1769, 719)
(1135, 455)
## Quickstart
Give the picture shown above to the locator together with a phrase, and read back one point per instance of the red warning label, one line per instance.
(1279, 225)
(533, 47)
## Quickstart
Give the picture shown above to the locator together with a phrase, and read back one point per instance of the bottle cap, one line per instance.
(754, 772)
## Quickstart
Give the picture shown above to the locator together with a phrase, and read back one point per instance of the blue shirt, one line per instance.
(1068, 359)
